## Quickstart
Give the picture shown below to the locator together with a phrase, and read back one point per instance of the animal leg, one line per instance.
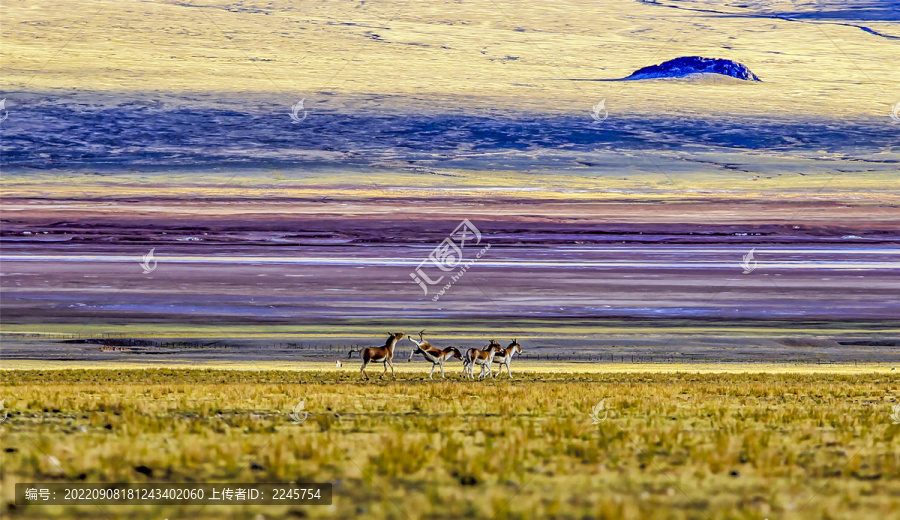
(431, 374)
(393, 375)
(363, 369)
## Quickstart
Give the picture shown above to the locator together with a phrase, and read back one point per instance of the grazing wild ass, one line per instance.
(384, 355)
(482, 357)
(433, 354)
(504, 355)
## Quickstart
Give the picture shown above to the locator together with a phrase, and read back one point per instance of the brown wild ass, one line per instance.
(433, 354)
(483, 357)
(504, 355)
(384, 355)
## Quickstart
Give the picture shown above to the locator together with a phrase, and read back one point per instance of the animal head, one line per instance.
(397, 335)
(455, 352)
(515, 346)
(422, 343)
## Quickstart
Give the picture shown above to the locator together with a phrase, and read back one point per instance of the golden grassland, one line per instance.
(498, 54)
(872, 187)
(676, 445)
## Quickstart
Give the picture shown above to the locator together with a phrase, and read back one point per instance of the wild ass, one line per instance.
(504, 355)
(384, 355)
(433, 354)
(482, 357)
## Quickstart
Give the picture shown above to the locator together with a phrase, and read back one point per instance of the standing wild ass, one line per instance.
(482, 357)
(384, 355)
(503, 356)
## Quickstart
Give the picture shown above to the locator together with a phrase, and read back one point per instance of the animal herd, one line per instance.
(485, 358)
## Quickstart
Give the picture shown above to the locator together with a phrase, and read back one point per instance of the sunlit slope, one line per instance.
(506, 56)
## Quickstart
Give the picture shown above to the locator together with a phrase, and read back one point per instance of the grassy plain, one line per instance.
(514, 56)
(679, 445)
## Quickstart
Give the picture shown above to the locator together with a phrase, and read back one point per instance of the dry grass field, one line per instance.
(676, 445)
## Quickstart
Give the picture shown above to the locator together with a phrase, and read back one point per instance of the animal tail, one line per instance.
(350, 354)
